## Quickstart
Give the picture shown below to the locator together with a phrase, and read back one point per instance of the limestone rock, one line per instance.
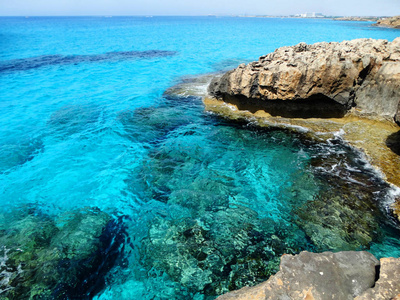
(388, 285)
(319, 80)
(389, 22)
(342, 275)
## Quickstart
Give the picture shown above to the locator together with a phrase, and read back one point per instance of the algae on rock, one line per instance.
(48, 258)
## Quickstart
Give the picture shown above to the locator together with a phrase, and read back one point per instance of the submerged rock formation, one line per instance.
(389, 22)
(320, 80)
(42, 257)
(342, 275)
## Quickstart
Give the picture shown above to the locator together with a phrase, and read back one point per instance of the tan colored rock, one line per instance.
(342, 275)
(393, 22)
(362, 75)
(388, 284)
(322, 276)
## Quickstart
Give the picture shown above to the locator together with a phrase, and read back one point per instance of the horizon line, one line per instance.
(203, 15)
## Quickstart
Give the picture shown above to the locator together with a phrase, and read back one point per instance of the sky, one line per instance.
(198, 7)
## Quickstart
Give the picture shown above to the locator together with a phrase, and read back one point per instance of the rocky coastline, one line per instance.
(361, 77)
(393, 22)
(327, 275)
(351, 88)
(357, 19)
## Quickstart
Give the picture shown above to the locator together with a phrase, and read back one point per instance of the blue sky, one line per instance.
(203, 7)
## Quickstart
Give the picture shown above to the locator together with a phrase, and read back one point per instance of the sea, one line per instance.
(105, 115)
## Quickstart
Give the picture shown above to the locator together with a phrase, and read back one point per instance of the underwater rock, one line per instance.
(190, 86)
(319, 80)
(220, 251)
(339, 221)
(72, 119)
(152, 124)
(378, 140)
(345, 213)
(322, 276)
(15, 153)
(64, 258)
(35, 62)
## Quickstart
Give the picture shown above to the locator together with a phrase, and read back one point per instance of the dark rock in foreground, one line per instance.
(320, 80)
(342, 275)
(42, 257)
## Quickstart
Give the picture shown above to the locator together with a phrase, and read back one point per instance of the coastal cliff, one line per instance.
(393, 22)
(320, 80)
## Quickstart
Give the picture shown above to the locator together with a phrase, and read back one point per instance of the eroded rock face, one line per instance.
(324, 79)
(388, 285)
(342, 275)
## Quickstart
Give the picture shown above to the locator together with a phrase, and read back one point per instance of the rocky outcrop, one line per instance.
(393, 22)
(320, 80)
(362, 19)
(342, 275)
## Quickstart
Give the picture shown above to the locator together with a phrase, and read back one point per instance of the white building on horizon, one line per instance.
(312, 15)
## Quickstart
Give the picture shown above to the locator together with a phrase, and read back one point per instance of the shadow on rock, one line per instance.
(393, 142)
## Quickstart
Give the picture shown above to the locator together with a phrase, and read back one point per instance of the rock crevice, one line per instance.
(342, 275)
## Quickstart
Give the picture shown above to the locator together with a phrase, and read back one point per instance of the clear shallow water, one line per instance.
(87, 122)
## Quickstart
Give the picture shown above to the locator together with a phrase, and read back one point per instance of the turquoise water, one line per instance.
(89, 119)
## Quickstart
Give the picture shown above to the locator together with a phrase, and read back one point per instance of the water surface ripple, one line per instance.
(116, 184)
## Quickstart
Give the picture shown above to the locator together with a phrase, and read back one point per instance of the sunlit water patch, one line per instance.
(115, 183)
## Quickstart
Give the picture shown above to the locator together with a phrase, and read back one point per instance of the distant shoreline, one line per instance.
(341, 18)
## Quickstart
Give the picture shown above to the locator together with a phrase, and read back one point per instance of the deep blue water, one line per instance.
(88, 120)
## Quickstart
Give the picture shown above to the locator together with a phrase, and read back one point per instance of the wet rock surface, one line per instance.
(327, 275)
(308, 80)
(43, 257)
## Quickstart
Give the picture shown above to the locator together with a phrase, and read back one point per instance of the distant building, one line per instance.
(312, 15)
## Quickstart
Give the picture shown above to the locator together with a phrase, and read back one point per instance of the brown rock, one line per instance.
(393, 22)
(311, 80)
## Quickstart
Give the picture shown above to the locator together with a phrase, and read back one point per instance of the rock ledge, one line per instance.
(342, 275)
(320, 80)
